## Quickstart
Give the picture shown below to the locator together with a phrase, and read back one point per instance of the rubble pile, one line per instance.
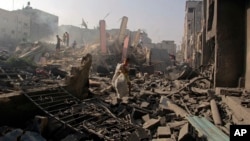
(157, 107)
(4, 55)
(159, 104)
(162, 105)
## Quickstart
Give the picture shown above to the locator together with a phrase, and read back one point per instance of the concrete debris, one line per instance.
(146, 118)
(151, 123)
(215, 113)
(78, 91)
(184, 133)
(229, 91)
(138, 135)
(176, 124)
(4, 55)
(172, 106)
(19, 134)
(164, 132)
(78, 82)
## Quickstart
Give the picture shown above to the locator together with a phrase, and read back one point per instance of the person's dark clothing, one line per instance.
(67, 38)
(74, 44)
(58, 42)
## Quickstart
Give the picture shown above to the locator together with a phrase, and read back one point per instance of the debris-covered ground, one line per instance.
(178, 104)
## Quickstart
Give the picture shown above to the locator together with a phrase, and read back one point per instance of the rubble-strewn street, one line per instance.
(70, 83)
(160, 105)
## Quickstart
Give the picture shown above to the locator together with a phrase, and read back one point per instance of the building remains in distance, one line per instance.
(192, 28)
(27, 24)
(43, 25)
(14, 27)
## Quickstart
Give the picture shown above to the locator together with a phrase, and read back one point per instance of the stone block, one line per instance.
(151, 123)
(146, 118)
(164, 132)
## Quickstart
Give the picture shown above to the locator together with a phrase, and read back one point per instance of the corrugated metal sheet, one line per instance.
(207, 129)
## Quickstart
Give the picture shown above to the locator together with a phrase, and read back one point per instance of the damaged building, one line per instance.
(192, 28)
(43, 25)
(15, 27)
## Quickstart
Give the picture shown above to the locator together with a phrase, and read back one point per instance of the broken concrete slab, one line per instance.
(164, 139)
(163, 132)
(146, 118)
(184, 134)
(144, 104)
(237, 120)
(163, 121)
(138, 135)
(177, 124)
(168, 104)
(215, 113)
(152, 123)
(234, 104)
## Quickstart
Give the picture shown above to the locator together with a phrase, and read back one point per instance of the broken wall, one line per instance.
(247, 75)
(230, 42)
(82, 36)
(209, 31)
(160, 59)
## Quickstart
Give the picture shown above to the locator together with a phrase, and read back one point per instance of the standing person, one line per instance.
(74, 44)
(125, 69)
(64, 38)
(121, 81)
(58, 43)
(67, 38)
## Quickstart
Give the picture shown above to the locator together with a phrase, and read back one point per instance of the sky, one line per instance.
(160, 19)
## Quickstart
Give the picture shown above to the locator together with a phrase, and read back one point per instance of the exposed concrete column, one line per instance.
(247, 75)
(103, 37)
(123, 28)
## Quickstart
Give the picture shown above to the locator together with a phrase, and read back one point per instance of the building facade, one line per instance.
(192, 27)
(170, 46)
(81, 35)
(226, 41)
(14, 27)
(43, 25)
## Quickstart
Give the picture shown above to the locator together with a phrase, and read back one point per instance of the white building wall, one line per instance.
(14, 26)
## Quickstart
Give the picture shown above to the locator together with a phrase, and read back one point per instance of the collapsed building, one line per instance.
(74, 95)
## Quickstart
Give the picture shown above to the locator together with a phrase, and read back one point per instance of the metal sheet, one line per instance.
(207, 129)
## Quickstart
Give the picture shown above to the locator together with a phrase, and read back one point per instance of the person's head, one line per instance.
(57, 36)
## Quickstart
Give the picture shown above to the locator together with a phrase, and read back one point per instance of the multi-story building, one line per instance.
(14, 27)
(226, 41)
(170, 46)
(43, 25)
(192, 26)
